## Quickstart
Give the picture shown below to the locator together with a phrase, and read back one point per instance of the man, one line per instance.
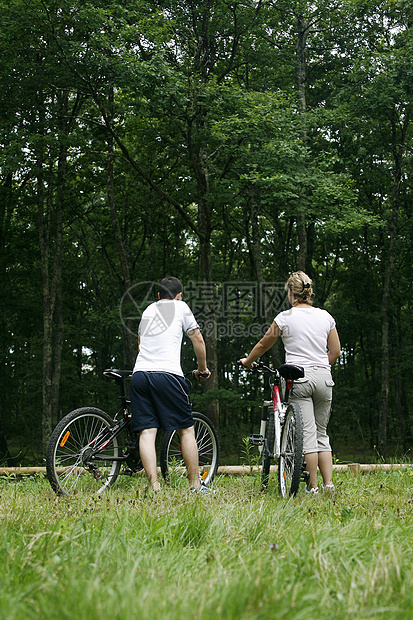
(159, 392)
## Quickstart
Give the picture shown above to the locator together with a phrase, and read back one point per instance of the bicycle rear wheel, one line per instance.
(171, 460)
(267, 451)
(291, 457)
(73, 462)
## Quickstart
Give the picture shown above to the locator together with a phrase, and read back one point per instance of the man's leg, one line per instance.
(148, 455)
(190, 454)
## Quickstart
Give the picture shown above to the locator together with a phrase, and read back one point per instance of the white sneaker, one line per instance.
(203, 489)
(327, 488)
(313, 490)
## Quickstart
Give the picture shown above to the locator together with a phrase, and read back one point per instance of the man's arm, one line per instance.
(200, 352)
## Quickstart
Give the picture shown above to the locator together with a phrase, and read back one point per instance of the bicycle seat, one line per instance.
(116, 374)
(290, 372)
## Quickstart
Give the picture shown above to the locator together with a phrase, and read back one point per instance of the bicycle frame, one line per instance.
(278, 419)
(96, 447)
(101, 443)
(278, 411)
(121, 424)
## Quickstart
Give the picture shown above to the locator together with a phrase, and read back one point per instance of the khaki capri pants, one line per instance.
(314, 395)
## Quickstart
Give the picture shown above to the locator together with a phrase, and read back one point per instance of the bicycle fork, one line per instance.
(260, 440)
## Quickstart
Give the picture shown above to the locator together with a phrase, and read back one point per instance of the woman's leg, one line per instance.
(325, 463)
(302, 396)
(311, 459)
(322, 409)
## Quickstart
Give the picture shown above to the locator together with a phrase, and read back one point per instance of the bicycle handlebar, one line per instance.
(191, 373)
(258, 367)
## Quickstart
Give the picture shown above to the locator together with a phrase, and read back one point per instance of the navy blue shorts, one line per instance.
(159, 400)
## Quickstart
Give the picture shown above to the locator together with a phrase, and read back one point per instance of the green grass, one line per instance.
(237, 554)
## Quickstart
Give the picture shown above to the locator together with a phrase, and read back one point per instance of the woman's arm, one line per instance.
(266, 342)
(333, 345)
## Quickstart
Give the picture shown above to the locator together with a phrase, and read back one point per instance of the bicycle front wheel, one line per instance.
(291, 456)
(267, 451)
(80, 453)
(171, 459)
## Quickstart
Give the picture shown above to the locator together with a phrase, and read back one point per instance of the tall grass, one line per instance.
(237, 554)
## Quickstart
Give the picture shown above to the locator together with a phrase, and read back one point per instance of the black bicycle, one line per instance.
(281, 432)
(88, 448)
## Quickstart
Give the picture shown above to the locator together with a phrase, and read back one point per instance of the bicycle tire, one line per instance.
(171, 460)
(267, 451)
(291, 453)
(67, 467)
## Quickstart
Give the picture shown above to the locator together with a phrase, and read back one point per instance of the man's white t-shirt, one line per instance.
(161, 329)
(304, 333)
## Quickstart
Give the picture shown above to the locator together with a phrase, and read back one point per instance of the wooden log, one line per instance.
(236, 470)
(22, 471)
(382, 467)
(355, 468)
(241, 470)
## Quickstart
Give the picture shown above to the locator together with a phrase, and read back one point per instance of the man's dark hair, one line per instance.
(170, 287)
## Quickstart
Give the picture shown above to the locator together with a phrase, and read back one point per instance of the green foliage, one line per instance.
(216, 165)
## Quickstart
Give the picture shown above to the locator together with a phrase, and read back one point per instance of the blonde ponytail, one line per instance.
(301, 287)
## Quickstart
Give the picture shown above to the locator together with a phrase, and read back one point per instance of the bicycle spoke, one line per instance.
(208, 451)
(72, 461)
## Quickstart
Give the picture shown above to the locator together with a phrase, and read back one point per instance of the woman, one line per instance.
(310, 340)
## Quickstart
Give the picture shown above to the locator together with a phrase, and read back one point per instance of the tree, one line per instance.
(380, 101)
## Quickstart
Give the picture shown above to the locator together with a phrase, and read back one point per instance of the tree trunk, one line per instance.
(51, 251)
(385, 362)
(302, 239)
(401, 402)
(301, 77)
(390, 262)
(50, 217)
(269, 315)
(129, 337)
(6, 209)
(204, 223)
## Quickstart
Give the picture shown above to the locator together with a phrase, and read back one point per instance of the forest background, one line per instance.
(225, 142)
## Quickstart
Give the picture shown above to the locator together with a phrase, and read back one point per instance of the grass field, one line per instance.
(237, 554)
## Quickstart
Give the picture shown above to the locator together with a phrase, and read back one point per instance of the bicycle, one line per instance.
(89, 441)
(281, 432)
